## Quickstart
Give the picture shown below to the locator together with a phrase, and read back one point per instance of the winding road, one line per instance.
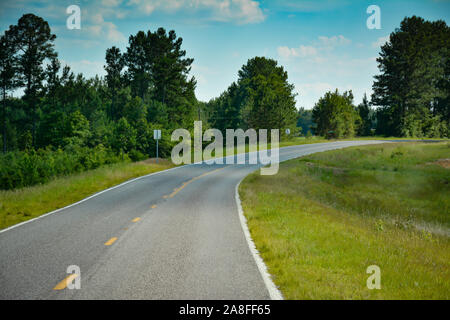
(175, 234)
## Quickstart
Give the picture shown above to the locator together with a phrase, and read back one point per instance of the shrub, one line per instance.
(26, 168)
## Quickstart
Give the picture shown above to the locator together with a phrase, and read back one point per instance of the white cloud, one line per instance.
(380, 41)
(334, 41)
(238, 11)
(312, 51)
(317, 88)
(111, 3)
(301, 52)
(101, 28)
(311, 5)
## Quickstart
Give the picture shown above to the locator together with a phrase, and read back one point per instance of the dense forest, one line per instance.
(65, 123)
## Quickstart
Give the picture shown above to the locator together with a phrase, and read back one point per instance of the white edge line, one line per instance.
(274, 293)
(91, 196)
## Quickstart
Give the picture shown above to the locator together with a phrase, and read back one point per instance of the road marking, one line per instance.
(154, 206)
(176, 190)
(63, 284)
(274, 293)
(224, 159)
(136, 219)
(110, 241)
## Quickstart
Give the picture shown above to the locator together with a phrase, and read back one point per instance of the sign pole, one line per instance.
(157, 136)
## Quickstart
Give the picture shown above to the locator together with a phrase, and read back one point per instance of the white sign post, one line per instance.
(157, 137)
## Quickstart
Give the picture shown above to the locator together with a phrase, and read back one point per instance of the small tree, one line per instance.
(365, 114)
(335, 115)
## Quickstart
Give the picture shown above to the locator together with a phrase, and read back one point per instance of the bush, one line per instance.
(26, 168)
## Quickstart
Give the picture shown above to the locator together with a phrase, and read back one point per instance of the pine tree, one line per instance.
(414, 68)
(34, 40)
(115, 63)
(8, 68)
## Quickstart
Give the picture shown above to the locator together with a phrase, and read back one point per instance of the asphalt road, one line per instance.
(171, 235)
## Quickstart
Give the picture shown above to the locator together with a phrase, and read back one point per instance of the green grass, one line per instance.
(26, 203)
(323, 219)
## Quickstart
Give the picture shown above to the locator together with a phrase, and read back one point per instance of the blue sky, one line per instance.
(322, 44)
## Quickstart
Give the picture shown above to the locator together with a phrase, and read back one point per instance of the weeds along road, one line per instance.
(171, 235)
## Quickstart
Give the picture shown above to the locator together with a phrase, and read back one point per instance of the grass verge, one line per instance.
(26, 203)
(323, 219)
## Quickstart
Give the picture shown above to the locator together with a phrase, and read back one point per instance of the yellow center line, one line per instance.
(110, 241)
(63, 284)
(176, 190)
(136, 219)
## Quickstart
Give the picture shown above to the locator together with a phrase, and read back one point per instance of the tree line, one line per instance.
(66, 123)
(411, 93)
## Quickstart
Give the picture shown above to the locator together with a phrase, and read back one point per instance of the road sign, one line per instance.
(288, 131)
(157, 137)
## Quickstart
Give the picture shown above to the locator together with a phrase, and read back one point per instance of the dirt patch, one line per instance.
(444, 163)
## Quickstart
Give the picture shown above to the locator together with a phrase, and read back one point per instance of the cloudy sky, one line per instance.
(323, 44)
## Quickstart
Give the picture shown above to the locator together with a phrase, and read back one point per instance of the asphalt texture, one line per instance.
(187, 242)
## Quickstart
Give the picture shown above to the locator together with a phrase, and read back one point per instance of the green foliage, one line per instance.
(335, 115)
(365, 122)
(413, 87)
(157, 68)
(33, 36)
(115, 62)
(305, 121)
(124, 136)
(66, 120)
(261, 99)
(20, 169)
(269, 101)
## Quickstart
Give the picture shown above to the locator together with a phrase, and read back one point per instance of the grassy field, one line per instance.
(325, 218)
(27, 203)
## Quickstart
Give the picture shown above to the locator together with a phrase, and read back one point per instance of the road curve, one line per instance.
(171, 235)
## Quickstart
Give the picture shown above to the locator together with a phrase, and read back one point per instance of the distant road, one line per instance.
(171, 235)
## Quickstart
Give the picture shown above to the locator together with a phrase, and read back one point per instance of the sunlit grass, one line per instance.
(325, 218)
(26, 203)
